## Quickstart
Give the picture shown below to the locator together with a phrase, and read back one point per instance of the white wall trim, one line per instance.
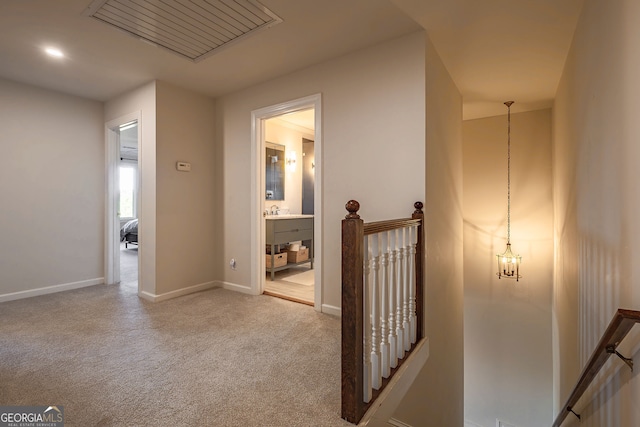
(332, 310)
(257, 173)
(235, 287)
(51, 289)
(385, 405)
(178, 292)
(147, 295)
(112, 225)
(398, 423)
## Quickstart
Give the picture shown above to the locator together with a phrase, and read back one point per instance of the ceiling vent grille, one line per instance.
(194, 29)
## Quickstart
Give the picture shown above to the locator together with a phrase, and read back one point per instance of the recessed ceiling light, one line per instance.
(52, 51)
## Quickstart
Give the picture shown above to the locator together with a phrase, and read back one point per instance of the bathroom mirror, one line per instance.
(274, 179)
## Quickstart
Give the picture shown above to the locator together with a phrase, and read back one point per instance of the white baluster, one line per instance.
(393, 339)
(366, 355)
(384, 304)
(376, 373)
(413, 320)
(399, 293)
(406, 286)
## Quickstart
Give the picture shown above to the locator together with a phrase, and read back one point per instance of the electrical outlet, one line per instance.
(232, 263)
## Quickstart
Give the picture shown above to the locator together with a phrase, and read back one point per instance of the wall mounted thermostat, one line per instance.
(183, 166)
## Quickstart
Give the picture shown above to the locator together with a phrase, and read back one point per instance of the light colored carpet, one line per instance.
(214, 358)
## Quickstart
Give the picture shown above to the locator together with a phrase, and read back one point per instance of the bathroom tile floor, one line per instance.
(295, 284)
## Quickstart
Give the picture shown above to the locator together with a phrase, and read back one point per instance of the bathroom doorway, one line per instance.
(292, 132)
(289, 205)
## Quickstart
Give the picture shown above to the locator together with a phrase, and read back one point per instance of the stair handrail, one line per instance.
(353, 231)
(618, 328)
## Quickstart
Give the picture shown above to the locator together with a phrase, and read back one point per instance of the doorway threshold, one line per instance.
(288, 297)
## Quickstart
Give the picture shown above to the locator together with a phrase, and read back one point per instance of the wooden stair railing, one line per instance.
(618, 328)
(382, 303)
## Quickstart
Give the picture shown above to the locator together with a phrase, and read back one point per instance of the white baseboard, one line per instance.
(146, 295)
(235, 287)
(50, 289)
(397, 423)
(178, 292)
(382, 409)
(332, 310)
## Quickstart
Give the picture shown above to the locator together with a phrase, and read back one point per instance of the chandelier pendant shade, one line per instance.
(508, 262)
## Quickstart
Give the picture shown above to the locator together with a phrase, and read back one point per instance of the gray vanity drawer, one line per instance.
(296, 224)
(283, 230)
(292, 236)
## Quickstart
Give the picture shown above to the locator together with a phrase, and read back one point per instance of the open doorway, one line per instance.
(122, 202)
(287, 129)
(289, 206)
(127, 204)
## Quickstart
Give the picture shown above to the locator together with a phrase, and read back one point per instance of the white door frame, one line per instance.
(258, 237)
(112, 220)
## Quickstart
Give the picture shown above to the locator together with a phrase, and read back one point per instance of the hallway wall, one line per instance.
(52, 191)
(377, 149)
(507, 324)
(142, 100)
(177, 210)
(436, 397)
(597, 206)
(186, 210)
(372, 120)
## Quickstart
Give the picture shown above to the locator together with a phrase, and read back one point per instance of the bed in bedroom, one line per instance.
(129, 233)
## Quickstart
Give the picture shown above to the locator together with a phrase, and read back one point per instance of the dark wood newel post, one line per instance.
(352, 309)
(418, 214)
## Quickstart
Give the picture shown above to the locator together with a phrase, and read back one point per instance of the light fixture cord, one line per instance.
(508, 104)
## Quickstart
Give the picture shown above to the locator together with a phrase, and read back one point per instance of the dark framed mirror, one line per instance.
(274, 168)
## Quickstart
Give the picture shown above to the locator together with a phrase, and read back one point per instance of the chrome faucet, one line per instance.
(274, 211)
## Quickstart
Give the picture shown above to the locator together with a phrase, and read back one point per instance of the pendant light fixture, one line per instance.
(508, 262)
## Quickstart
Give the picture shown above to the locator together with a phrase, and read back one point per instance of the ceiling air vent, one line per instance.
(193, 29)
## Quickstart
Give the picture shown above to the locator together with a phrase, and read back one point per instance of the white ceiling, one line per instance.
(495, 50)
(500, 50)
(303, 119)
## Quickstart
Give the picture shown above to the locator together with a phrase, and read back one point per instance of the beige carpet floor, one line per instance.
(214, 358)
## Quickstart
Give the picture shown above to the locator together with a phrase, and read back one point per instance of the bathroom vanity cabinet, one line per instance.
(282, 229)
